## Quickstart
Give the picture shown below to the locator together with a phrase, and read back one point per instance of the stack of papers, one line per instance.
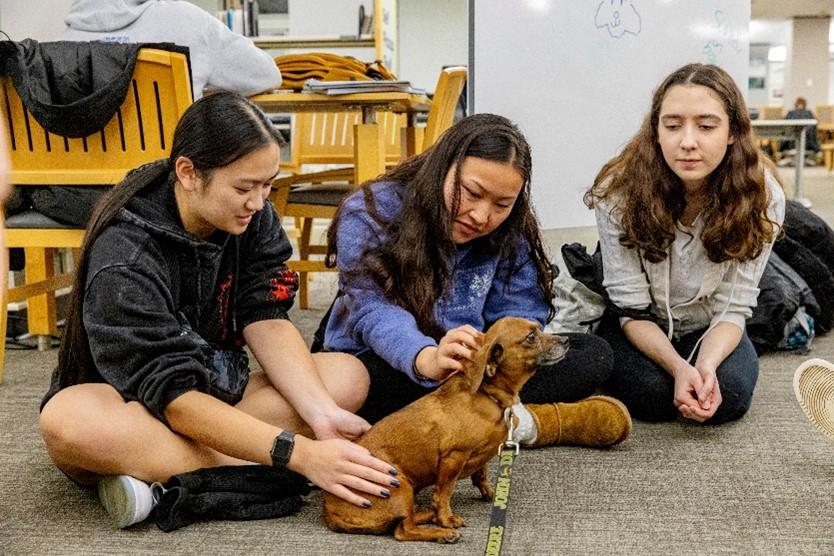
(349, 87)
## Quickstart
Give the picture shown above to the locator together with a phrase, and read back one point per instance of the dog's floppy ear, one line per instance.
(484, 363)
(495, 353)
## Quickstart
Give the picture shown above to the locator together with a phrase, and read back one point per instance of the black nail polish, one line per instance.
(384, 493)
(366, 504)
(393, 472)
(395, 483)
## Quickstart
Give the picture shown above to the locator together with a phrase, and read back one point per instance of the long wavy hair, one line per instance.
(651, 198)
(215, 131)
(412, 265)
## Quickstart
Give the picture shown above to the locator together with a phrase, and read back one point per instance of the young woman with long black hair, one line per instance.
(433, 252)
(183, 263)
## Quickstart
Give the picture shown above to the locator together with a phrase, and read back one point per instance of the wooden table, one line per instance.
(789, 129)
(368, 144)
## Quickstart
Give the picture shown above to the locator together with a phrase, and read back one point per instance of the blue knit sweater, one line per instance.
(364, 319)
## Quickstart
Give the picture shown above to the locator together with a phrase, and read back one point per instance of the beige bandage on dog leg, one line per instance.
(525, 429)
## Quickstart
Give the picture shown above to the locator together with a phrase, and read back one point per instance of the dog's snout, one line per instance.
(555, 348)
(563, 341)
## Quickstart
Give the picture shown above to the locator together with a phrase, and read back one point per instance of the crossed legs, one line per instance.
(90, 431)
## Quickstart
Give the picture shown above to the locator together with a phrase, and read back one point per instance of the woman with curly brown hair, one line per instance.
(687, 214)
(436, 250)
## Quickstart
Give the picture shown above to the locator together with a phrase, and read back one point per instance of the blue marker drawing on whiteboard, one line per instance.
(726, 36)
(619, 17)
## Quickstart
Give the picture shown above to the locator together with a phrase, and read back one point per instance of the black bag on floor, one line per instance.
(808, 247)
(815, 275)
(782, 292)
(234, 492)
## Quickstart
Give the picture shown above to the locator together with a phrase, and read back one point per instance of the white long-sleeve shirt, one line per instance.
(695, 291)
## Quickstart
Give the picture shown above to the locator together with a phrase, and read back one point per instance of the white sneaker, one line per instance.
(126, 499)
(813, 384)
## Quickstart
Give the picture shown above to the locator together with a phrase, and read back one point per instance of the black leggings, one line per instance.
(648, 390)
(586, 366)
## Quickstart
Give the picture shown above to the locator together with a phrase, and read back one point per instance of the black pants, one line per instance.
(648, 390)
(586, 366)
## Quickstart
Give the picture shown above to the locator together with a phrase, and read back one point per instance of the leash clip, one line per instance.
(509, 444)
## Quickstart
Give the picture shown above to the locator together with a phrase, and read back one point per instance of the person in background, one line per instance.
(812, 145)
(183, 265)
(436, 250)
(220, 58)
(687, 215)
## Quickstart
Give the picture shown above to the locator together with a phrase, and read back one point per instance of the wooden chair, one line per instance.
(772, 112)
(324, 190)
(327, 138)
(825, 124)
(825, 132)
(141, 131)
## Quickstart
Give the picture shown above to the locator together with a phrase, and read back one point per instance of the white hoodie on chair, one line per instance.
(220, 59)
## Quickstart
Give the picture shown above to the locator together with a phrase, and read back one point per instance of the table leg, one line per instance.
(41, 308)
(800, 164)
(369, 152)
(368, 148)
(412, 137)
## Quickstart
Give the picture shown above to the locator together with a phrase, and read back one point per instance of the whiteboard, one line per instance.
(577, 77)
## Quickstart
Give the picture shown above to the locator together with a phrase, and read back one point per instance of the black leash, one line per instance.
(507, 453)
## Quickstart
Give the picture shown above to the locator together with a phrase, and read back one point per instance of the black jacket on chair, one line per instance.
(72, 88)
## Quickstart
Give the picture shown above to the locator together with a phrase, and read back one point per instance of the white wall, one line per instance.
(577, 77)
(42, 20)
(322, 18)
(807, 72)
(432, 34)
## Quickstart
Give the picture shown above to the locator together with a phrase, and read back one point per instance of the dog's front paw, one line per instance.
(451, 538)
(487, 492)
(453, 521)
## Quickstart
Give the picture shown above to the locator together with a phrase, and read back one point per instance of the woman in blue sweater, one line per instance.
(435, 251)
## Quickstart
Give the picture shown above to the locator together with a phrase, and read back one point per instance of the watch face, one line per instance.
(282, 449)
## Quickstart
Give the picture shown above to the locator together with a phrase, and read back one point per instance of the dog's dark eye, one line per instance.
(531, 337)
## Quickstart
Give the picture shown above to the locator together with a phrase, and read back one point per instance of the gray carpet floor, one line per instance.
(763, 485)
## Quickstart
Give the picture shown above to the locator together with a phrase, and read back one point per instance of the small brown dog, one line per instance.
(449, 434)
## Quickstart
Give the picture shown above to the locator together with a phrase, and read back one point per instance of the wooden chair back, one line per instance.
(444, 103)
(327, 138)
(772, 112)
(141, 131)
(825, 114)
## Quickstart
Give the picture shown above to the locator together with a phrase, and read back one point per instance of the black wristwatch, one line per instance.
(282, 449)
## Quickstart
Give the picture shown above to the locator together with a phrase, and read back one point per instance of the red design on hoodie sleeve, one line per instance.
(284, 285)
(223, 303)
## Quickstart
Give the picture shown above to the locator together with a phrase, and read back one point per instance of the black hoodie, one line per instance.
(147, 275)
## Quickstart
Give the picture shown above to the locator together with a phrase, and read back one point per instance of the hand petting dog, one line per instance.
(456, 346)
